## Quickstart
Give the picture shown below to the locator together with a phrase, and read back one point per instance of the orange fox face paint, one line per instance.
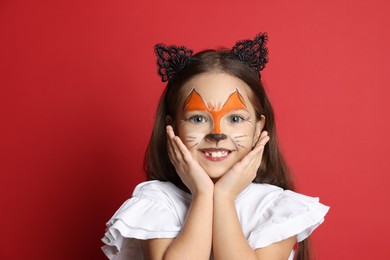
(216, 121)
(196, 103)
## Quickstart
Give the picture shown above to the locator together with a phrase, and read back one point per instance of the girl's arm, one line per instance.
(279, 250)
(229, 241)
(194, 240)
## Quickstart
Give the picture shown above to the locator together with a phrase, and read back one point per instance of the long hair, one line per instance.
(273, 169)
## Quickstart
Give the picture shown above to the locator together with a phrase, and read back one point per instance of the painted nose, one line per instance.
(216, 137)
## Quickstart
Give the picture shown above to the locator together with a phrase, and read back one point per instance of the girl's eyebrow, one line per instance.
(241, 109)
(208, 111)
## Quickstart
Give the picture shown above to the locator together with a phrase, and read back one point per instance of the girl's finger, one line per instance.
(184, 150)
(261, 147)
(256, 155)
(169, 137)
(259, 159)
(248, 158)
(170, 150)
(252, 155)
(263, 139)
(171, 146)
(176, 150)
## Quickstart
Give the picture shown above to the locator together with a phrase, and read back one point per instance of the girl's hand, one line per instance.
(242, 173)
(189, 170)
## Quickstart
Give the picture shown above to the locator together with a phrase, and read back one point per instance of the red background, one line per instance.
(79, 91)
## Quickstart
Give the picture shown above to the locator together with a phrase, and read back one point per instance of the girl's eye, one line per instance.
(235, 119)
(198, 119)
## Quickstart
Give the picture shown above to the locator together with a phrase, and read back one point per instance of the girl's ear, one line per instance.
(168, 120)
(259, 127)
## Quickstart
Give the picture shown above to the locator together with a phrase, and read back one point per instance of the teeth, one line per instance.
(216, 154)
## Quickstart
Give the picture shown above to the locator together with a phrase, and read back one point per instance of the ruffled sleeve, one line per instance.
(146, 215)
(287, 214)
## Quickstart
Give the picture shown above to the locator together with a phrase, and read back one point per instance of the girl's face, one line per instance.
(217, 122)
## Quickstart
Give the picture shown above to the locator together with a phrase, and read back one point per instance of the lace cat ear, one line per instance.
(253, 53)
(171, 60)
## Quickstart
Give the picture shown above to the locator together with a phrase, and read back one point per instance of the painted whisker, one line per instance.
(240, 136)
(192, 146)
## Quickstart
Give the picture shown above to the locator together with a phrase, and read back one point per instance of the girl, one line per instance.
(218, 187)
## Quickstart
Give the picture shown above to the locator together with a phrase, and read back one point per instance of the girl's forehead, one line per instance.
(216, 87)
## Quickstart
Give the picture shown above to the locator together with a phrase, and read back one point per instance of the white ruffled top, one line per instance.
(157, 209)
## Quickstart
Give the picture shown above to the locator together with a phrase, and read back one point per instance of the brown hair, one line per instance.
(273, 169)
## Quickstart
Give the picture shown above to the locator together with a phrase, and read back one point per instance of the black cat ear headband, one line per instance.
(172, 59)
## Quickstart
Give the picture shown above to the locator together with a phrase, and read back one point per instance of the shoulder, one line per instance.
(258, 194)
(273, 196)
(160, 191)
(154, 211)
(151, 199)
(151, 186)
(271, 214)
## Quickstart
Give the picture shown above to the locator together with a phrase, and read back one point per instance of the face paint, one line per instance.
(196, 103)
(217, 121)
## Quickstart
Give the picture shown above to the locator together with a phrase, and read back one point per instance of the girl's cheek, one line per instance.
(242, 129)
(242, 137)
(191, 129)
(191, 136)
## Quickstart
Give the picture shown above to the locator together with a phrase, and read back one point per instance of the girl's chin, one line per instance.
(216, 169)
(215, 174)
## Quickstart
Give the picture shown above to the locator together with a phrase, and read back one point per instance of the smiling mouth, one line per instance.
(216, 154)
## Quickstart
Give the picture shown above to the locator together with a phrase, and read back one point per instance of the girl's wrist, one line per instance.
(203, 194)
(220, 195)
